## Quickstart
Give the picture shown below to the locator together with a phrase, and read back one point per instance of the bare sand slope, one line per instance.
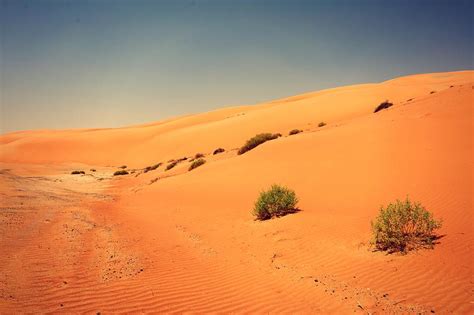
(180, 241)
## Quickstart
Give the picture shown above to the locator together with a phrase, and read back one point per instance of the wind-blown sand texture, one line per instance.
(186, 241)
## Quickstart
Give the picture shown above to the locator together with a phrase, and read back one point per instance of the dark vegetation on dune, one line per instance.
(218, 150)
(151, 168)
(78, 173)
(256, 141)
(196, 163)
(322, 124)
(171, 165)
(294, 132)
(120, 172)
(383, 105)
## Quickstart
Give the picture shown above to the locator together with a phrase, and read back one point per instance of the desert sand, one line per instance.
(186, 241)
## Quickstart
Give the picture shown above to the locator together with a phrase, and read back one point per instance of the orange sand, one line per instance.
(179, 241)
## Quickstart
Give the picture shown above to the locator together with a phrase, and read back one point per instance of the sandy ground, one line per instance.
(185, 241)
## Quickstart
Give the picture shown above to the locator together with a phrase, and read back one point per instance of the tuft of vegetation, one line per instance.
(256, 141)
(383, 105)
(275, 202)
(120, 172)
(218, 150)
(403, 226)
(182, 159)
(322, 124)
(171, 165)
(123, 167)
(151, 168)
(198, 156)
(295, 131)
(432, 92)
(78, 173)
(93, 170)
(196, 163)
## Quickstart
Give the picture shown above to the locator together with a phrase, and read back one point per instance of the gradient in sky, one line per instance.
(103, 63)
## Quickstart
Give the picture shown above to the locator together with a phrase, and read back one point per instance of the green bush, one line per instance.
(295, 131)
(197, 163)
(403, 226)
(275, 202)
(256, 141)
(322, 124)
(78, 173)
(120, 172)
(171, 165)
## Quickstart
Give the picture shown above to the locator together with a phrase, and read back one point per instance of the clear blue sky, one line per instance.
(104, 63)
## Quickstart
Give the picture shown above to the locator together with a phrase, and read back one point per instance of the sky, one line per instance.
(104, 63)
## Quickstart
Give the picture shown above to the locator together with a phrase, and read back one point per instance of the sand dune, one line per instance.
(180, 241)
(228, 127)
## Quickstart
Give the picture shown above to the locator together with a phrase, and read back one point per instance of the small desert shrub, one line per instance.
(432, 92)
(120, 172)
(182, 159)
(383, 105)
(171, 165)
(198, 156)
(123, 167)
(197, 163)
(78, 173)
(217, 151)
(403, 226)
(295, 131)
(275, 202)
(322, 124)
(256, 141)
(92, 169)
(151, 168)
